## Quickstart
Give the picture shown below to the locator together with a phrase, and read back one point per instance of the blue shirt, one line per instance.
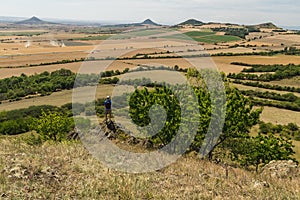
(107, 104)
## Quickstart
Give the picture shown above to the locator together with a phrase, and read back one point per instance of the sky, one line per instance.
(280, 12)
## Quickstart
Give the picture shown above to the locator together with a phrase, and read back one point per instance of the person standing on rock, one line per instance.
(107, 107)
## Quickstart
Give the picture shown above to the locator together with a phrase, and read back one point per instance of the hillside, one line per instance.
(269, 25)
(33, 21)
(149, 22)
(67, 171)
(193, 22)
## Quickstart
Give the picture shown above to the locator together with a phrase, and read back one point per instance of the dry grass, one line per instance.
(294, 82)
(278, 39)
(280, 116)
(297, 149)
(223, 62)
(67, 171)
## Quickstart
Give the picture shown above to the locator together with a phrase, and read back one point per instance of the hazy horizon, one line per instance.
(161, 11)
(65, 20)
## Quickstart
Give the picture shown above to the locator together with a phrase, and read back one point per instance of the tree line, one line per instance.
(290, 130)
(269, 68)
(289, 97)
(23, 120)
(15, 88)
(284, 105)
(280, 73)
(286, 101)
(286, 51)
(267, 86)
(240, 32)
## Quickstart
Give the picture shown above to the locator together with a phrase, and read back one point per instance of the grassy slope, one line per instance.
(67, 171)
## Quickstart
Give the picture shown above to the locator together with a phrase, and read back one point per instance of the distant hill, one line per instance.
(193, 22)
(33, 21)
(149, 22)
(268, 25)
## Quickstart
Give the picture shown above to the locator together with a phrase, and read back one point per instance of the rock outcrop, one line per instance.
(281, 169)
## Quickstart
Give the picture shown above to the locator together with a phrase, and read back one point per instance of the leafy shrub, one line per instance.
(261, 150)
(53, 126)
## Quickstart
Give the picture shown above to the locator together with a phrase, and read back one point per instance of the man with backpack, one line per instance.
(107, 107)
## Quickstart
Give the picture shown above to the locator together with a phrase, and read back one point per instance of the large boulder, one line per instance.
(281, 169)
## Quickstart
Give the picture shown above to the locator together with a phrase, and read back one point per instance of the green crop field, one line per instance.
(198, 33)
(217, 38)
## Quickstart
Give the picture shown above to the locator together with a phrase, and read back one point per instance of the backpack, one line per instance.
(107, 104)
(111, 126)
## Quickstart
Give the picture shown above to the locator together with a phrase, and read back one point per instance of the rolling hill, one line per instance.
(193, 22)
(34, 21)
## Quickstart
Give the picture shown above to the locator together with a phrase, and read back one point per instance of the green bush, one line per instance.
(53, 126)
(262, 149)
(14, 127)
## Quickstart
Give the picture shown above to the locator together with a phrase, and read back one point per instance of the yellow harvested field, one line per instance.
(9, 72)
(42, 55)
(144, 51)
(186, 63)
(87, 67)
(142, 43)
(294, 82)
(280, 116)
(283, 39)
(220, 33)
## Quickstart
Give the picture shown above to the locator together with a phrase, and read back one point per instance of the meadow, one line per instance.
(63, 171)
